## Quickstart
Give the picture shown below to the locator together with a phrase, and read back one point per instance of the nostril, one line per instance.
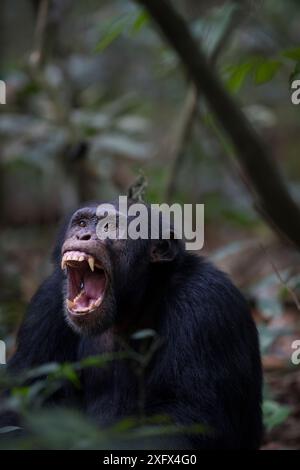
(84, 237)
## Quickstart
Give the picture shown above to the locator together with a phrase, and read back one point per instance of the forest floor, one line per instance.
(285, 386)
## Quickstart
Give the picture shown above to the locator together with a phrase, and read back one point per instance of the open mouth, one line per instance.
(86, 281)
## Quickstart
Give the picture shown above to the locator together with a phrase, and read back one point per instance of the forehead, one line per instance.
(95, 210)
(88, 211)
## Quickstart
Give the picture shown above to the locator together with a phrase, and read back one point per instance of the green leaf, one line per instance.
(43, 370)
(124, 425)
(266, 71)
(8, 429)
(101, 360)
(141, 20)
(295, 73)
(96, 361)
(211, 28)
(21, 392)
(127, 24)
(293, 54)
(142, 334)
(62, 429)
(274, 413)
(262, 69)
(238, 74)
(112, 32)
(67, 371)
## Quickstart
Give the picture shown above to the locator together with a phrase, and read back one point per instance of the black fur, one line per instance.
(208, 369)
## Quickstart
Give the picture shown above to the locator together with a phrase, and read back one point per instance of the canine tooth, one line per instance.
(70, 304)
(97, 303)
(91, 262)
(64, 261)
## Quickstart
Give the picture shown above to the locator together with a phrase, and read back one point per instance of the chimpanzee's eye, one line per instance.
(82, 223)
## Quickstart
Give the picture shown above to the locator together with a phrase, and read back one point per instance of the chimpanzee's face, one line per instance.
(106, 277)
(88, 294)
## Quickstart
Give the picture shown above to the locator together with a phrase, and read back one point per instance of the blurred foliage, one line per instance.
(67, 428)
(129, 24)
(274, 414)
(263, 69)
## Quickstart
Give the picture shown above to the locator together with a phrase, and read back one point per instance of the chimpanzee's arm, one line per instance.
(209, 371)
(44, 336)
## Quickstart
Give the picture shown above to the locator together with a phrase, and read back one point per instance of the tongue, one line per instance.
(92, 291)
(94, 284)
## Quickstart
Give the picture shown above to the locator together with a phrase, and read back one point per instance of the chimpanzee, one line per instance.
(207, 369)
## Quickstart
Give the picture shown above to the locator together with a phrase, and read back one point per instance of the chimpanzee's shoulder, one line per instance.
(201, 273)
(204, 286)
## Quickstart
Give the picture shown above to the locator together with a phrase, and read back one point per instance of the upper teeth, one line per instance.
(79, 257)
(91, 262)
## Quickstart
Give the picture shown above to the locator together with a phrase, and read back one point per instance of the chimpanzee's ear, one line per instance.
(165, 250)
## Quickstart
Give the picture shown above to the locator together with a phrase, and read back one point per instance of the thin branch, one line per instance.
(183, 136)
(137, 189)
(73, 157)
(39, 35)
(280, 278)
(191, 106)
(271, 192)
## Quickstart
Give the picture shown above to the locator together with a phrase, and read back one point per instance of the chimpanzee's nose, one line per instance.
(84, 236)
